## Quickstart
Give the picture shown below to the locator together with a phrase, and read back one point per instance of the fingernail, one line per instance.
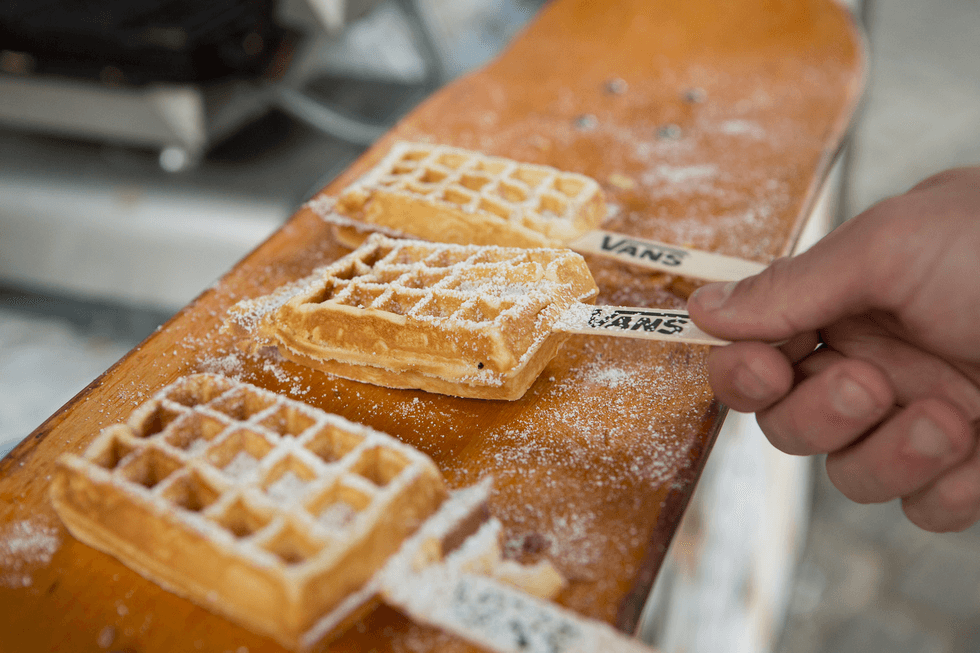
(850, 399)
(927, 439)
(750, 381)
(714, 295)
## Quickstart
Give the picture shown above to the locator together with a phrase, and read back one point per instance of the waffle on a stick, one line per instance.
(254, 506)
(461, 320)
(452, 195)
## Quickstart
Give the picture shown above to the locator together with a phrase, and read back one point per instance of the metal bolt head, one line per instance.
(616, 86)
(695, 95)
(586, 122)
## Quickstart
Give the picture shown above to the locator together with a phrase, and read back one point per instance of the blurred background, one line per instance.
(127, 189)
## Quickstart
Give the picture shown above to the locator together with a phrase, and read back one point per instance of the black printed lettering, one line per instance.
(606, 240)
(651, 254)
(620, 322)
(628, 251)
(646, 323)
(596, 320)
(675, 325)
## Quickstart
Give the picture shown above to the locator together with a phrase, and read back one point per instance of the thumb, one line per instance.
(791, 296)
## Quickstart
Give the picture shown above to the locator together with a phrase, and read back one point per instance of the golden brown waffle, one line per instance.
(254, 506)
(451, 195)
(461, 320)
(449, 575)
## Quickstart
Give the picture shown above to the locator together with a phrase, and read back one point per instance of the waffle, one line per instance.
(254, 506)
(498, 617)
(452, 195)
(448, 575)
(462, 320)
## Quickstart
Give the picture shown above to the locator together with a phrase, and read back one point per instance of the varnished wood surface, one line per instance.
(708, 123)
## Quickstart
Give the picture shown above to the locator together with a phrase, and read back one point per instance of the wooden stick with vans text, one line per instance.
(682, 261)
(663, 257)
(669, 324)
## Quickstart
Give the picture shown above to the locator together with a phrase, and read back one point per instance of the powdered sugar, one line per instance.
(337, 515)
(242, 464)
(106, 637)
(604, 375)
(680, 175)
(25, 545)
(237, 366)
(610, 426)
(742, 127)
(229, 365)
(288, 487)
(197, 447)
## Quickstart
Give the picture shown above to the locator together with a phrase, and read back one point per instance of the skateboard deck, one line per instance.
(708, 125)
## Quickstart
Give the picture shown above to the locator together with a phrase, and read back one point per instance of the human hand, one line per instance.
(893, 394)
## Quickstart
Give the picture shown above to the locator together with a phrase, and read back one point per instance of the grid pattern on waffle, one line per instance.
(277, 481)
(471, 285)
(534, 196)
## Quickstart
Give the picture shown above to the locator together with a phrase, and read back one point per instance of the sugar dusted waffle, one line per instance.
(254, 506)
(462, 320)
(448, 194)
(440, 577)
(451, 195)
(295, 523)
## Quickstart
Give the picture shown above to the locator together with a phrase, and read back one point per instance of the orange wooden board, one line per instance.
(717, 135)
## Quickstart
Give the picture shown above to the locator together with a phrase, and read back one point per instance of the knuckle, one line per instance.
(775, 283)
(763, 283)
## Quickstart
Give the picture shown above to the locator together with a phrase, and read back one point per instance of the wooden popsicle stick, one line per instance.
(437, 589)
(682, 261)
(670, 324)
(674, 259)
(502, 619)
